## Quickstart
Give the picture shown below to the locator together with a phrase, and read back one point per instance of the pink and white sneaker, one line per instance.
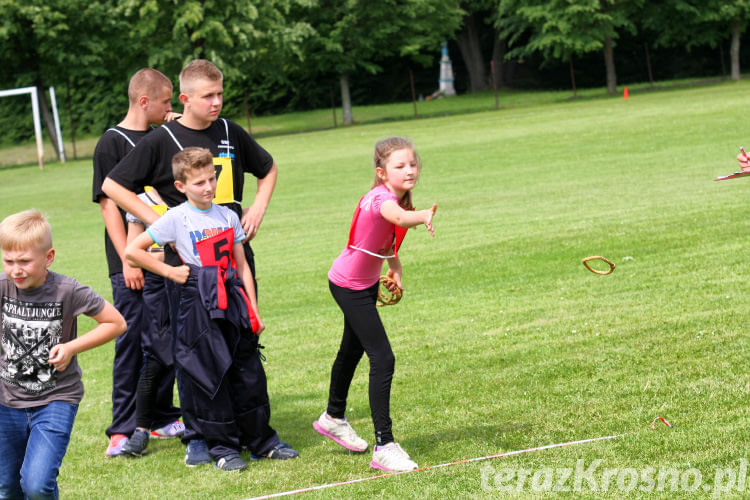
(340, 431)
(392, 458)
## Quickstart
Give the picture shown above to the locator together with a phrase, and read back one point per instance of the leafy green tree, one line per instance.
(562, 29)
(93, 46)
(356, 35)
(721, 17)
(247, 40)
(469, 43)
(479, 24)
(57, 43)
(700, 22)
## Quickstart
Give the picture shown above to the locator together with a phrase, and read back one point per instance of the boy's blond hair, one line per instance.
(190, 159)
(148, 82)
(199, 69)
(24, 230)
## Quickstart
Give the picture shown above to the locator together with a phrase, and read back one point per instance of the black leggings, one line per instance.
(363, 333)
(153, 373)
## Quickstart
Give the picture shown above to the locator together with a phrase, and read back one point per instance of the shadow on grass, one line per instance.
(17, 166)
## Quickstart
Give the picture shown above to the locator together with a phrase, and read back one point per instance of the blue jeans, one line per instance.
(33, 442)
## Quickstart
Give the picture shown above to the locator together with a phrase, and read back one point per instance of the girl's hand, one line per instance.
(60, 357)
(744, 162)
(395, 276)
(429, 214)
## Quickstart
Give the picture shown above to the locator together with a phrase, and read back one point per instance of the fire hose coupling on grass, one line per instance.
(597, 271)
(389, 292)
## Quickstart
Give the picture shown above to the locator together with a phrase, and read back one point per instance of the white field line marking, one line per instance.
(429, 467)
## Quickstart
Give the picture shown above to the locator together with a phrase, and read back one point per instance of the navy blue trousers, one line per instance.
(128, 363)
(237, 415)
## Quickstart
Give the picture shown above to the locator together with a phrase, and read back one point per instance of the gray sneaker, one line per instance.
(231, 462)
(137, 444)
(282, 451)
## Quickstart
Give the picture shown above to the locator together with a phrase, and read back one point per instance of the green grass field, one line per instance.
(322, 119)
(503, 340)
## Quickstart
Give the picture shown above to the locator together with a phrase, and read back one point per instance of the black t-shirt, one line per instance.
(150, 164)
(234, 151)
(112, 147)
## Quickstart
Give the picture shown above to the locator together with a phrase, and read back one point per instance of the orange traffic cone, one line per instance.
(626, 93)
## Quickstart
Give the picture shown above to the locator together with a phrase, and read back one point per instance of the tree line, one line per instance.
(300, 54)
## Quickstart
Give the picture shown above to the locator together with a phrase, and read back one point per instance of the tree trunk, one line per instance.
(346, 100)
(49, 120)
(734, 50)
(573, 77)
(504, 69)
(648, 65)
(499, 49)
(471, 52)
(609, 62)
(333, 107)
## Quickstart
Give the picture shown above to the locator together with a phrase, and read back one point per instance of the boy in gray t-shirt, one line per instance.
(40, 380)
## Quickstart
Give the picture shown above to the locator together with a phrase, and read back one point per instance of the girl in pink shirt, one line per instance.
(354, 279)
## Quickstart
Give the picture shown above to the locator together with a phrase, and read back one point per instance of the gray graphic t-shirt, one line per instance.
(34, 321)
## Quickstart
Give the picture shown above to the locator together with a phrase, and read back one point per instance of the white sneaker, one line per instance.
(391, 458)
(340, 431)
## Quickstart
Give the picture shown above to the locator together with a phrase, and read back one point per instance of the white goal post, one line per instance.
(37, 121)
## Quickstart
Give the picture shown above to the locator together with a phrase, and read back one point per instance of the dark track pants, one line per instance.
(239, 413)
(173, 294)
(128, 362)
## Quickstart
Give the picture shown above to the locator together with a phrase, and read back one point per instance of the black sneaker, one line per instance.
(196, 453)
(282, 451)
(231, 462)
(137, 443)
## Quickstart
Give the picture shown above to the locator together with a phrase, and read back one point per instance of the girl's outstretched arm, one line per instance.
(393, 213)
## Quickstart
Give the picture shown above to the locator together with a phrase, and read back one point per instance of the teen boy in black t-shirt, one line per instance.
(149, 96)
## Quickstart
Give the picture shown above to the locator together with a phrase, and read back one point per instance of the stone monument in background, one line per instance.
(446, 73)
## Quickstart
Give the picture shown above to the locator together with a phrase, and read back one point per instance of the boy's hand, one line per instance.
(60, 357)
(261, 326)
(133, 276)
(252, 217)
(179, 274)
